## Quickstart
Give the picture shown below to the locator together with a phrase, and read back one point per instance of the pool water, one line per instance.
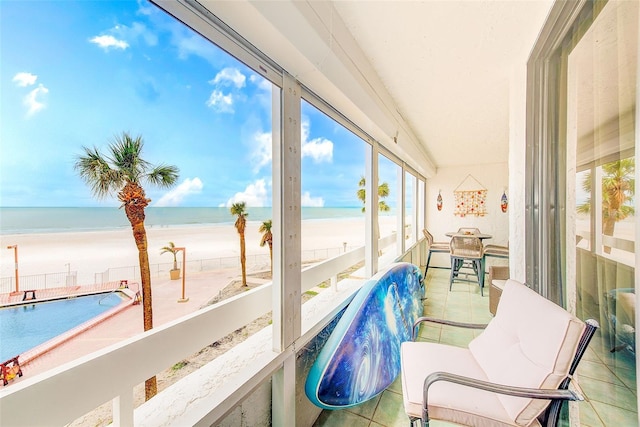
(27, 326)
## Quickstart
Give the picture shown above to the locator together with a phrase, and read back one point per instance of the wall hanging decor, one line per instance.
(504, 202)
(439, 201)
(472, 200)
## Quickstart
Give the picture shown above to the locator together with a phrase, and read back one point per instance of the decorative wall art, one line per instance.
(439, 201)
(504, 202)
(471, 201)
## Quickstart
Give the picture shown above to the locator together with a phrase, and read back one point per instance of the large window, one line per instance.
(601, 134)
(581, 221)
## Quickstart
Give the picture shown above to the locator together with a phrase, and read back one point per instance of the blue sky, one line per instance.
(77, 73)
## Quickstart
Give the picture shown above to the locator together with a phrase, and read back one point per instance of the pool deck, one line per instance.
(200, 288)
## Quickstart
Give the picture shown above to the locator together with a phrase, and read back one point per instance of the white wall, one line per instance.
(494, 177)
(517, 164)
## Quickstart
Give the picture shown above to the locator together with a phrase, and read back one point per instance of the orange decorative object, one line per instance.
(504, 202)
(439, 201)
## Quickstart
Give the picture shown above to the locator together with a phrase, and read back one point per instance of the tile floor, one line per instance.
(607, 380)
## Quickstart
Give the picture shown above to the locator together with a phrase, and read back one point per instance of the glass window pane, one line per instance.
(602, 70)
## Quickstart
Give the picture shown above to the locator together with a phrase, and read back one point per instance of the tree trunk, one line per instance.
(132, 195)
(243, 259)
(271, 257)
(608, 226)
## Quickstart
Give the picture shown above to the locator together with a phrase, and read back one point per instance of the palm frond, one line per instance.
(164, 176)
(95, 171)
(126, 156)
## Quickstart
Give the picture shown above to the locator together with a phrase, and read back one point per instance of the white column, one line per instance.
(401, 211)
(371, 209)
(286, 178)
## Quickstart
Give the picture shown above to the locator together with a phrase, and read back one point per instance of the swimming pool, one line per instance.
(26, 326)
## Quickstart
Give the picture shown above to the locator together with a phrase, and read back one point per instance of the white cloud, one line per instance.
(255, 195)
(177, 195)
(226, 78)
(261, 83)
(107, 42)
(25, 79)
(191, 44)
(261, 150)
(220, 102)
(319, 149)
(229, 76)
(307, 200)
(139, 30)
(33, 100)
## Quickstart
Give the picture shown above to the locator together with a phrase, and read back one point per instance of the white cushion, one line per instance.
(498, 283)
(448, 401)
(529, 343)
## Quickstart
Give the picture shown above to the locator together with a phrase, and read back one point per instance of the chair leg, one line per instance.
(453, 273)
(427, 266)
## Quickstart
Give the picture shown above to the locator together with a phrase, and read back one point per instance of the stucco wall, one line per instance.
(494, 177)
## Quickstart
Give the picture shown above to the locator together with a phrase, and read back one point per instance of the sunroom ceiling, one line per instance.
(430, 80)
(447, 65)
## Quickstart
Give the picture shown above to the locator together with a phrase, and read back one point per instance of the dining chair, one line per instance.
(437, 247)
(497, 251)
(466, 252)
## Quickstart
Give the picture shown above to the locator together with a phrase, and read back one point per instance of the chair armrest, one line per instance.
(498, 272)
(444, 322)
(531, 393)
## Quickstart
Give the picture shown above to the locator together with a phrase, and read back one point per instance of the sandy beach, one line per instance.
(91, 252)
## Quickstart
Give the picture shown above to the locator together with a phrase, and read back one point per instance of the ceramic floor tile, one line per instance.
(340, 418)
(390, 410)
(614, 416)
(366, 409)
(588, 416)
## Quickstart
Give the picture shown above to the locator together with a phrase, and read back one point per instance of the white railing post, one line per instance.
(123, 409)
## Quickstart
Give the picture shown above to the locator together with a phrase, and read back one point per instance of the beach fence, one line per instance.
(39, 281)
(255, 262)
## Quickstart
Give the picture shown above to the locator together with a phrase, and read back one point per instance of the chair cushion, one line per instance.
(529, 343)
(498, 283)
(448, 401)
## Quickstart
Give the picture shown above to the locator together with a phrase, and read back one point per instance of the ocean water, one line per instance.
(56, 220)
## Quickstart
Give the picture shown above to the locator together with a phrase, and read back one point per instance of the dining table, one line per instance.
(481, 236)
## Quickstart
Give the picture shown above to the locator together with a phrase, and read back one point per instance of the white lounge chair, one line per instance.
(523, 360)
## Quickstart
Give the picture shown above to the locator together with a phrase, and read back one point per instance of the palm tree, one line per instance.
(618, 189)
(383, 192)
(171, 249)
(267, 238)
(238, 209)
(121, 173)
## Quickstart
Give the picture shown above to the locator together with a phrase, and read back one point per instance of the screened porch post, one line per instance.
(371, 209)
(286, 146)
